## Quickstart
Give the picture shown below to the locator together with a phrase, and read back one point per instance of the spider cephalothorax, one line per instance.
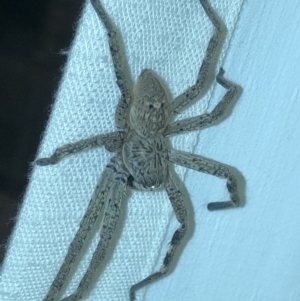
(150, 107)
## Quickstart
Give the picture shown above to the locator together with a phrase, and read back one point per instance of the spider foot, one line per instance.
(220, 205)
(220, 75)
(45, 161)
(132, 294)
(224, 82)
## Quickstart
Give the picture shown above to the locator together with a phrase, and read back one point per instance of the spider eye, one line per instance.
(150, 106)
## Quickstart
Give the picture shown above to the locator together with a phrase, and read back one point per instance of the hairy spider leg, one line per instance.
(96, 205)
(191, 93)
(210, 167)
(121, 71)
(111, 217)
(204, 120)
(111, 141)
(177, 202)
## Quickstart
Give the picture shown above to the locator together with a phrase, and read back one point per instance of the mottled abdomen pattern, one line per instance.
(146, 160)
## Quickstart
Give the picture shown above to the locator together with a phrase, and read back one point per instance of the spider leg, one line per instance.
(109, 224)
(192, 92)
(198, 122)
(111, 142)
(95, 206)
(179, 208)
(210, 167)
(120, 71)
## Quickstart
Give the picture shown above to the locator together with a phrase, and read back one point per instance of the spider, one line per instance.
(142, 156)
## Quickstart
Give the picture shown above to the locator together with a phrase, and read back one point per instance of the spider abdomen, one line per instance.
(146, 160)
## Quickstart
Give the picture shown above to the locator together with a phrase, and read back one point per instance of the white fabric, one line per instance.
(169, 37)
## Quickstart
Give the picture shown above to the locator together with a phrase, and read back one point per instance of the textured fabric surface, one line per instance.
(169, 37)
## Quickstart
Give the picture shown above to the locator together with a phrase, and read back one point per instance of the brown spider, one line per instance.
(142, 156)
